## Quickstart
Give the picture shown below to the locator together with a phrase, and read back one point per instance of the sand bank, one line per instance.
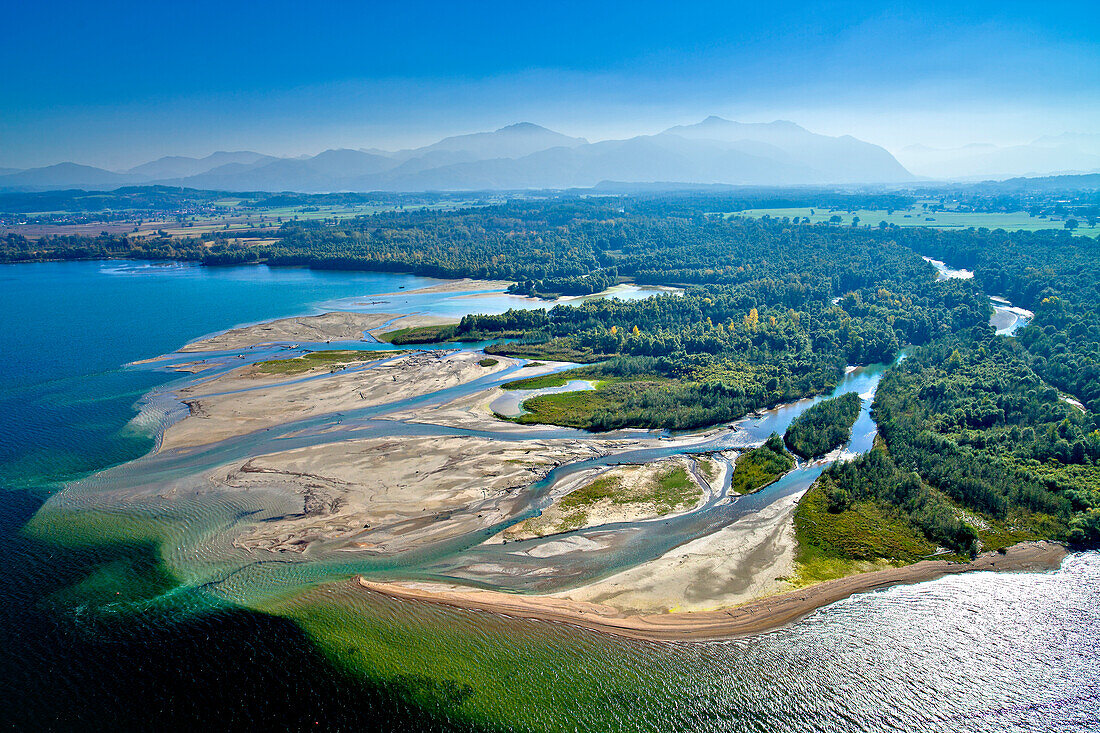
(413, 321)
(475, 411)
(391, 494)
(336, 326)
(748, 559)
(631, 486)
(465, 285)
(238, 403)
(750, 618)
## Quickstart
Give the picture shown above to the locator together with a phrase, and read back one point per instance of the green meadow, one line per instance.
(918, 217)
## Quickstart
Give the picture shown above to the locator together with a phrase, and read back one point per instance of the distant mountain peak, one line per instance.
(716, 121)
(524, 127)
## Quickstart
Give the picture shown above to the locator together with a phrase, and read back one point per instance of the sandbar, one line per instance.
(387, 495)
(743, 620)
(335, 326)
(464, 285)
(240, 403)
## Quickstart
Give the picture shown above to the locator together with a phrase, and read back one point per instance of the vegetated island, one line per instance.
(824, 426)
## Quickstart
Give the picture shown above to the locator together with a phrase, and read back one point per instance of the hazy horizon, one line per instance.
(117, 87)
(428, 139)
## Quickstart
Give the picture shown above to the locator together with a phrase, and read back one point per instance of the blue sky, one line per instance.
(117, 83)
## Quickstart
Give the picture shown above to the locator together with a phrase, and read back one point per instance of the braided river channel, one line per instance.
(144, 614)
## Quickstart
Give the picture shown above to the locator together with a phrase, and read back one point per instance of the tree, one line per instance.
(752, 318)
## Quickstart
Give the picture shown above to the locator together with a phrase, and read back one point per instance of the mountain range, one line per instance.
(519, 156)
(1066, 154)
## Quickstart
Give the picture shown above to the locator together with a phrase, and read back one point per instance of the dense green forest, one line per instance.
(977, 450)
(16, 248)
(824, 426)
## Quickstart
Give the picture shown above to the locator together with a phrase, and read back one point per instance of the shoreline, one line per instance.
(748, 619)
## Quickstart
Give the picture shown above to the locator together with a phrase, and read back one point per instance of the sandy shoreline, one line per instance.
(744, 620)
(322, 328)
(334, 326)
(239, 403)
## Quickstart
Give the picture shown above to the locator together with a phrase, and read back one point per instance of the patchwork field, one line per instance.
(918, 217)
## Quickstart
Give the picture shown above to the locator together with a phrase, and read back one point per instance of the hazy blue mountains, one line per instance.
(519, 156)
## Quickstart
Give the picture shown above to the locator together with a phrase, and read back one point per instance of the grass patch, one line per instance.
(487, 362)
(540, 382)
(574, 520)
(758, 467)
(917, 217)
(583, 409)
(318, 359)
(420, 335)
(605, 487)
(708, 467)
(672, 489)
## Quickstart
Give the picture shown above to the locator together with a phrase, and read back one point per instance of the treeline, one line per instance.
(16, 248)
(1063, 343)
(758, 467)
(682, 398)
(688, 203)
(824, 426)
(176, 199)
(561, 239)
(594, 282)
(1054, 274)
(128, 198)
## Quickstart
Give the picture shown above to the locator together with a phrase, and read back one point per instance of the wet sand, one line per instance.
(744, 620)
(413, 321)
(335, 326)
(465, 285)
(239, 402)
(392, 494)
(749, 559)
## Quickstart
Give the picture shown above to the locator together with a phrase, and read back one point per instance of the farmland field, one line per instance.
(918, 217)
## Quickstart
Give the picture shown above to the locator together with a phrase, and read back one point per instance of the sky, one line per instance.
(115, 84)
